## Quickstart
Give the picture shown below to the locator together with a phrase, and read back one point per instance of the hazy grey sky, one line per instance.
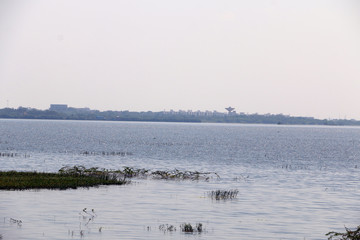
(292, 57)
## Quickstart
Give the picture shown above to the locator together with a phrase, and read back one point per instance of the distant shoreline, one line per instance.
(185, 117)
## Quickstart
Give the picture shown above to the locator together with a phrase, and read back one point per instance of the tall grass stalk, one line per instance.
(223, 194)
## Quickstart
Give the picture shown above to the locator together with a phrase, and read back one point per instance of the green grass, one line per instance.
(13, 180)
(79, 176)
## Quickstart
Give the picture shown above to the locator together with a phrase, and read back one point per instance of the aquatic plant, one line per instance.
(167, 228)
(73, 178)
(79, 170)
(12, 154)
(348, 235)
(103, 153)
(188, 228)
(80, 176)
(241, 178)
(185, 175)
(290, 167)
(223, 194)
(130, 172)
(199, 227)
(8, 154)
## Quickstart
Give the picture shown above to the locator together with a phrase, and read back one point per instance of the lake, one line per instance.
(294, 182)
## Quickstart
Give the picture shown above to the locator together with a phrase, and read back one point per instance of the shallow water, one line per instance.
(294, 182)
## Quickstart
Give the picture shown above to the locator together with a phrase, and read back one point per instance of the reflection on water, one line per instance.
(293, 182)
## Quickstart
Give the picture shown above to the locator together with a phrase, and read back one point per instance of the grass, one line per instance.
(79, 176)
(70, 178)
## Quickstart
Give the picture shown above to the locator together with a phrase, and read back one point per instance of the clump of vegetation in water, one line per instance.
(80, 176)
(290, 167)
(8, 154)
(103, 153)
(179, 175)
(223, 194)
(348, 235)
(129, 172)
(74, 177)
(188, 228)
(167, 228)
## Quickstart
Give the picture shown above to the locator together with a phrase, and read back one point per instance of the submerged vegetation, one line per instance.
(348, 235)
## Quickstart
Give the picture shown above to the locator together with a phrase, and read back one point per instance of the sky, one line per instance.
(299, 58)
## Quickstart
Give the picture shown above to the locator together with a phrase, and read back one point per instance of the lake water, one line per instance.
(294, 182)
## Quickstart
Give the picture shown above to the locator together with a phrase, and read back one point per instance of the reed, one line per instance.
(8, 154)
(223, 194)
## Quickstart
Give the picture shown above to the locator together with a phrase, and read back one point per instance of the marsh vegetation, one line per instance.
(347, 235)
(66, 178)
(80, 176)
(223, 194)
(188, 228)
(103, 153)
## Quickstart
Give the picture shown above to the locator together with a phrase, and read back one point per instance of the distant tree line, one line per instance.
(76, 114)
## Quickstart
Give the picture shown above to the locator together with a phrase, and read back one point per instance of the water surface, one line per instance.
(294, 182)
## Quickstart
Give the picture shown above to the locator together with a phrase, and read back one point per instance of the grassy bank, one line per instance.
(13, 180)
